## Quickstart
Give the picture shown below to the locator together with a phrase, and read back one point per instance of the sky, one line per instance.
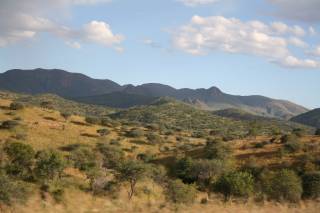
(244, 47)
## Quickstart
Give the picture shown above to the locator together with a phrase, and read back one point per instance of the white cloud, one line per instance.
(20, 20)
(297, 42)
(315, 51)
(207, 34)
(192, 3)
(100, 32)
(73, 44)
(302, 10)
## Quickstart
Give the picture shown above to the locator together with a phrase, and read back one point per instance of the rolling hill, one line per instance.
(84, 89)
(311, 118)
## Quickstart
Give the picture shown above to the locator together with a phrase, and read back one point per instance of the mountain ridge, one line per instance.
(79, 87)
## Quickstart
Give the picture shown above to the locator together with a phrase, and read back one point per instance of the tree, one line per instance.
(282, 185)
(92, 120)
(20, 158)
(131, 172)
(239, 184)
(311, 184)
(49, 165)
(178, 192)
(207, 171)
(183, 169)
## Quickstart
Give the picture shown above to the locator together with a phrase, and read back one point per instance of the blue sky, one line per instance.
(266, 47)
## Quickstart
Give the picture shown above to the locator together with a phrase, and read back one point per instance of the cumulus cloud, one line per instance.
(315, 51)
(192, 3)
(271, 41)
(302, 10)
(20, 20)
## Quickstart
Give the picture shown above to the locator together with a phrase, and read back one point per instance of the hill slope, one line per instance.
(311, 118)
(105, 92)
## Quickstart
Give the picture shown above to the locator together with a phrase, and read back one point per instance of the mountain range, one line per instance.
(84, 89)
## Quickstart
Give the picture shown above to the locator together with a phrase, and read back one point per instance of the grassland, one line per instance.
(173, 127)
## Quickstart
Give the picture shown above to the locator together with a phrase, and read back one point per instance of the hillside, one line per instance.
(108, 93)
(311, 118)
(60, 82)
(90, 169)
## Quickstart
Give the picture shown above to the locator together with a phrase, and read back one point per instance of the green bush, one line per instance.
(49, 165)
(239, 184)
(84, 159)
(154, 138)
(311, 184)
(112, 155)
(178, 192)
(288, 138)
(20, 158)
(16, 106)
(135, 133)
(183, 169)
(93, 120)
(217, 150)
(282, 185)
(9, 124)
(65, 115)
(293, 146)
(11, 190)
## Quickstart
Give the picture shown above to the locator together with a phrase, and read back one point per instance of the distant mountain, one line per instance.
(60, 82)
(311, 118)
(108, 93)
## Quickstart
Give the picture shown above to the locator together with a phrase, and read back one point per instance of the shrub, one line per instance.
(16, 106)
(135, 133)
(183, 169)
(49, 165)
(103, 132)
(317, 132)
(154, 138)
(131, 172)
(217, 150)
(9, 124)
(239, 184)
(298, 132)
(20, 158)
(311, 185)
(65, 115)
(112, 155)
(288, 138)
(282, 185)
(84, 159)
(11, 190)
(178, 192)
(92, 120)
(293, 146)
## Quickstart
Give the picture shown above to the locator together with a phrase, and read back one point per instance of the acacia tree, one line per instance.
(131, 172)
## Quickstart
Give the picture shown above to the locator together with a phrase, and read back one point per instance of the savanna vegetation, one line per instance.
(57, 156)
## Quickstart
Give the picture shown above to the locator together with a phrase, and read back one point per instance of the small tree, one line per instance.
(103, 132)
(183, 169)
(9, 124)
(20, 158)
(239, 184)
(84, 159)
(131, 172)
(49, 165)
(282, 185)
(112, 156)
(92, 120)
(178, 192)
(311, 185)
